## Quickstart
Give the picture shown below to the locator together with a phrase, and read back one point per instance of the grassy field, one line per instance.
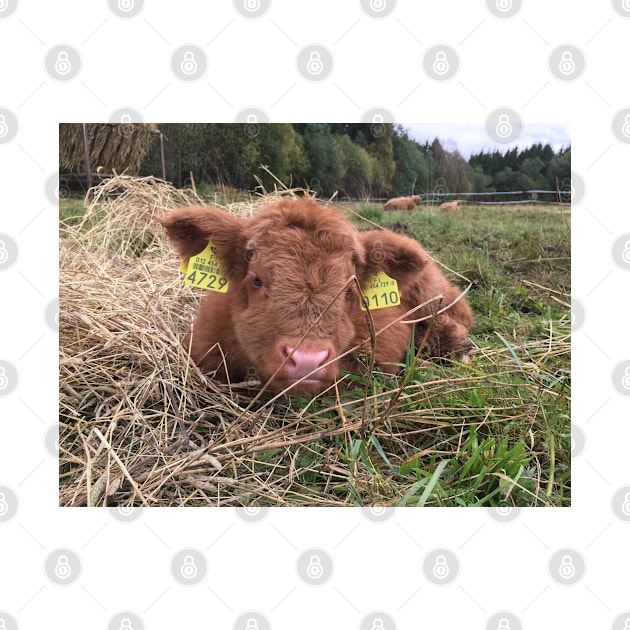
(511, 435)
(493, 433)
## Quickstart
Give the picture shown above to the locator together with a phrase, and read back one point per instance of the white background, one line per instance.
(251, 62)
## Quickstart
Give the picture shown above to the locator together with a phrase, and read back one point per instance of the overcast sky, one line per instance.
(472, 138)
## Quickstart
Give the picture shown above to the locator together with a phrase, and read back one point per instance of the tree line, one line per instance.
(356, 160)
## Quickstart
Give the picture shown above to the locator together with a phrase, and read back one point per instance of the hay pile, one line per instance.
(112, 147)
(141, 426)
(130, 399)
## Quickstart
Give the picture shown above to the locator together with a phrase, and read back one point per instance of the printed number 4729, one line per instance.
(212, 282)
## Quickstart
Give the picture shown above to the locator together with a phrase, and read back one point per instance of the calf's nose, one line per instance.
(304, 361)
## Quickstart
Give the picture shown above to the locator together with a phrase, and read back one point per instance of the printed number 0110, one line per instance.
(384, 299)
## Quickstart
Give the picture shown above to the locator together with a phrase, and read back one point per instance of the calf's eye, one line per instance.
(257, 282)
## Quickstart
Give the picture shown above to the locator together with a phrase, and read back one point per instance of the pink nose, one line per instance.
(303, 362)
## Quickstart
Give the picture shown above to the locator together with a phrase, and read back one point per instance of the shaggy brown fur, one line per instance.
(289, 268)
(403, 203)
(450, 205)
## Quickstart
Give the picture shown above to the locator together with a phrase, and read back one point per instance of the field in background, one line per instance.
(496, 432)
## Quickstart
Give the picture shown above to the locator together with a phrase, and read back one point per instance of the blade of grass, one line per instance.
(434, 479)
(509, 347)
(380, 451)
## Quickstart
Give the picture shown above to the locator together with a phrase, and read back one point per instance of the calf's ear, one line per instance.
(399, 256)
(190, 229)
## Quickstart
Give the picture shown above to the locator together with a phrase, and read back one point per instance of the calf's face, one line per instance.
(292, 308)
(289, 308)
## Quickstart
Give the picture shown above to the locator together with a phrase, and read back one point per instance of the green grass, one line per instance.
(71, 209)
(504, 252)
(494, 432)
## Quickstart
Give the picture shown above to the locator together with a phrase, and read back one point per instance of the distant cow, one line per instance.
(283, 300)
(451, 205)
(403, 203)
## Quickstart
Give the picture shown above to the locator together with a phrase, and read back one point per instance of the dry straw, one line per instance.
(141, 425)
(112, 147)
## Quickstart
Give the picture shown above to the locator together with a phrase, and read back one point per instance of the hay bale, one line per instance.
(116, 147)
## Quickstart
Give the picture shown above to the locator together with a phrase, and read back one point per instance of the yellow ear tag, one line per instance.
(381, 292)
(205, 271)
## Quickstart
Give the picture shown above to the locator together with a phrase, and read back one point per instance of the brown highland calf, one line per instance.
(403, 203)
(450, 205)
(282, 301)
